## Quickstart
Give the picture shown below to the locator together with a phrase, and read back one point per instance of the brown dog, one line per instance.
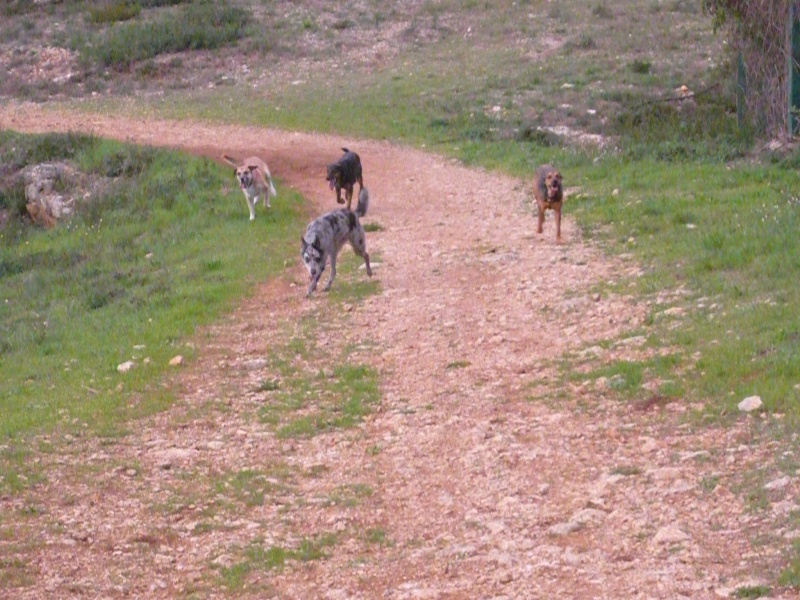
(254, 180)
(549, 194)
(344, 174)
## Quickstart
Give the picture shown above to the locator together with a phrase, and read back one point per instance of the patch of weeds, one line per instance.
(351, 283)
(159, 3)
(623, 376)
(340, 403)
(297, 347)
(268, 385)
(111, 12)
(314, 548)
(258, 557)
(350, 495)
(583, 42)
(15, 573)
(752, 591)
(203, 25)
(342, 24)
(751, 488)
(790, 576)
(373, 226)
(316, 471)
(641, 67)
(458, 364)
(377, 536)
(709, 484)
(16, 472)
(665, 131)
(601, 11)
(626, 470)
(253, 487)
(18, 150)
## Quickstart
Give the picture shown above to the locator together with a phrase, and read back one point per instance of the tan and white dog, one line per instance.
(254, 178)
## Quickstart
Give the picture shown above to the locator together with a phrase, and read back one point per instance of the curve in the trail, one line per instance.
(482, 492)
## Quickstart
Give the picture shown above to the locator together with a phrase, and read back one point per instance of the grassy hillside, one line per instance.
(164, 246)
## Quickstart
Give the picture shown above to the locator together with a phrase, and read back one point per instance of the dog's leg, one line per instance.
(333, 272)
(251, 205)
(349, 195)
(359, 245)
(558, 224)
(365, 256)
(312, 285)
(339, 194)
(541, 219)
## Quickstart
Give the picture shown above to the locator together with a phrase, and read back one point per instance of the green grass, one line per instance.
(119, 10)
(752, 591)
(254, 487)
(350, 495)
(129, 277)
(728, 237)
(202, 25)
(258, 557)
(337, 404)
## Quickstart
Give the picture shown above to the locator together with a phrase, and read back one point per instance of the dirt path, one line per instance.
(480, 476)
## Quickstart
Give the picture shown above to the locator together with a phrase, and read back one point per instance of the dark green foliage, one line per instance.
(703, 127)
(120, 10)
(152, 254)
(40, 148)
(205, 25)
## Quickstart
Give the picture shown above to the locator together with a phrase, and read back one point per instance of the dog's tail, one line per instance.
(230, 160)
(272, 191)
(363, 202)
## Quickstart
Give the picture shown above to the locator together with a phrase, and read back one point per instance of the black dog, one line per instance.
(343, 174)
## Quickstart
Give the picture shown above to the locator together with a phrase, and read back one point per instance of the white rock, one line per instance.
(564, 528)
(587, 516)
(125, 367)
(777, 484)
(256, 364)
(670, 535)
(665, 474)
(750, 403)
(176, 361)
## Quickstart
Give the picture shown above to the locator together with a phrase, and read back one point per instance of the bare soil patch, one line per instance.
(482, 475)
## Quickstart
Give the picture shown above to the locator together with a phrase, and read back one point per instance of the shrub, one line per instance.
(206, 25)
(157, 3)
(120, 10)
(642, 67)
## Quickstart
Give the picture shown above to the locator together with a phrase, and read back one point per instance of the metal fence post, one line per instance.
(793, 69)
(741, 92)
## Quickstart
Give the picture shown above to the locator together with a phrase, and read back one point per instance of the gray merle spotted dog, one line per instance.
(325, 236)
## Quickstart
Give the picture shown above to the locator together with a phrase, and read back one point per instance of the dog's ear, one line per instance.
(303, 244)
(252, 168)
